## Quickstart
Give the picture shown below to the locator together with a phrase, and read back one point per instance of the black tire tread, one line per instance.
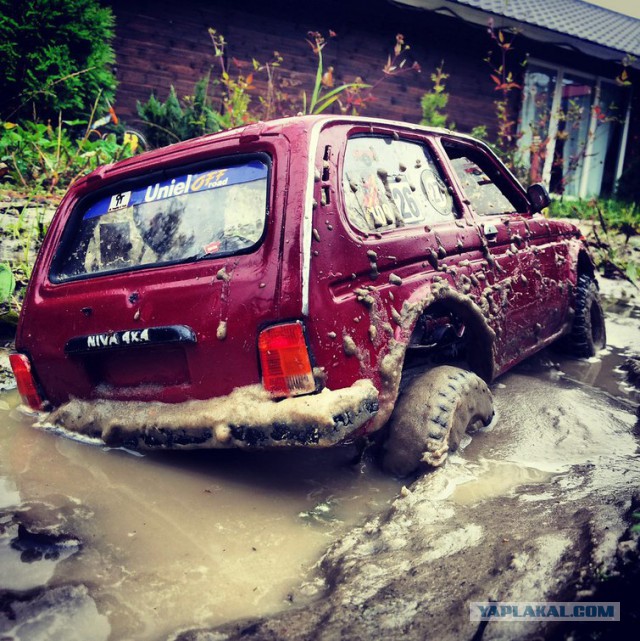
(584, 339)
(432, 415)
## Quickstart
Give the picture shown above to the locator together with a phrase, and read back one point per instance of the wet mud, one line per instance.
(246, 417)
(311, 545)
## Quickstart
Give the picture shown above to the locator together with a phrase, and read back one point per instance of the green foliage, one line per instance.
(45, 158)
(55, 57)
(435, 102)
(225, 99)
(612, 224)
(635, 527)
(215, 104)
(169, 121)
(234, 96)
(22, 231)
(504, 83)
(433, 105)
(480, 132)
(324, 94)
(614, 215)
(7, 282)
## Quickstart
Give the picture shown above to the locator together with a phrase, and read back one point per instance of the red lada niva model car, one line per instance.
(270, 285)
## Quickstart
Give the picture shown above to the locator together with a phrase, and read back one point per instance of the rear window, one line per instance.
(218, 211)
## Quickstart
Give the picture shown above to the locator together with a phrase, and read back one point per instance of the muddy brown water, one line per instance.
(104, 544)
(171, 539)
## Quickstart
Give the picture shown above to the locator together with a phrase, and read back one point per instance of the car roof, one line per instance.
(301, 124)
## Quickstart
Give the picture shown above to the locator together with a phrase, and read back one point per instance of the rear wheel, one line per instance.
(588, 334)
(432, 415)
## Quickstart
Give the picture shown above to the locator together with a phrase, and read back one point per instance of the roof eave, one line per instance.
(533, 32)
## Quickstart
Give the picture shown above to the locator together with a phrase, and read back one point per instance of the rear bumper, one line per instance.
(247, 418)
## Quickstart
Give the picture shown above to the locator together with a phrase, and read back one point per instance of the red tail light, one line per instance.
(24, 378)
(284, 357)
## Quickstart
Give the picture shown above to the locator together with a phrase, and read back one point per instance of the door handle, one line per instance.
(490, 231)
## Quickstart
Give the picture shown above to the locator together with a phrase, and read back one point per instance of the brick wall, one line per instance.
(160, 43)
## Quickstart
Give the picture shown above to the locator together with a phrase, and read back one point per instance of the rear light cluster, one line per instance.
(284, 357)
(26, 383)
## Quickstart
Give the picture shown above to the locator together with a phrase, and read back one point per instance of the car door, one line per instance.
(385, 226)
(521, 259)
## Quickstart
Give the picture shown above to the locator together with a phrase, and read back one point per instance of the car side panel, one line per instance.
(364, 286)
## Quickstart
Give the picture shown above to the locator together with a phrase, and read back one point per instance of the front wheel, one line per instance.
(588, 333)
(432, 415)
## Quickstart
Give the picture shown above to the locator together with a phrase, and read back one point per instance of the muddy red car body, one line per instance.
(305, 262)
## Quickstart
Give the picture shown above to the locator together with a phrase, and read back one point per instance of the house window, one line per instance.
(572, 131)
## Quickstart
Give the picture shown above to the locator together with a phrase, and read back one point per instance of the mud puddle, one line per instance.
(137, 548)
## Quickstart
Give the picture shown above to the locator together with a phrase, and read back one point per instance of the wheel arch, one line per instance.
(482, 337)
(443, 298)
(585, 265)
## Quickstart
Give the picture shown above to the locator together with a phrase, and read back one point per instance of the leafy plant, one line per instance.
(635, 528)
(398, 62)
(169, 121)
(435, 102)
(225, 99)
(56, 56)
(612, 223)
(504, 83)
(324, 93)
(623, 79)
(203, 112)
(7, 282)
(615, 215)
(45, 158)
(22, 229)
(235, 105)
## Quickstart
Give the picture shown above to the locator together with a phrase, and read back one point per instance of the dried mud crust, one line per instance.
(588, 333)
(247, 417)
(432, 416)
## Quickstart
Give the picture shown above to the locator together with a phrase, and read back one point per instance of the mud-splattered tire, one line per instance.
(432, 415)
(588, 333)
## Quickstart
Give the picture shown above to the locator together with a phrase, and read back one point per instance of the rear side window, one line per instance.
(389, 183)
(221, 210)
